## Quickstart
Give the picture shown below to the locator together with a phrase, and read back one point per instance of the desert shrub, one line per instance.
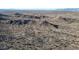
(18, 22)
(3, 37)
(15, 22)
(26, 21)
(3, 46)
(10, 22)
(2, 18)
(30, 16)
(37, 17)
(6, 37)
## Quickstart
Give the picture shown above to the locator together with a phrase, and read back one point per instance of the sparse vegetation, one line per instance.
(39, 32)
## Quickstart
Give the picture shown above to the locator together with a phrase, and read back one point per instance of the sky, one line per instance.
(38, 4)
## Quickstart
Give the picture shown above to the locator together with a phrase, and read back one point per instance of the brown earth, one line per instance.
(39, 31)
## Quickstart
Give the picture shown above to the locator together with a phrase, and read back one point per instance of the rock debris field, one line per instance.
(39, 31)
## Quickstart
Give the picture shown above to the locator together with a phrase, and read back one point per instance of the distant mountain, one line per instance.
(68, 9)
(25, 10)
(10, 10)
(42, 11)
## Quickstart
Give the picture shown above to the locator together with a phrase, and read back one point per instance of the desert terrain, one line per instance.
(39, 30)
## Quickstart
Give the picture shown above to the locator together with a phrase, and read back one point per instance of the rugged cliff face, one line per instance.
(39, 31)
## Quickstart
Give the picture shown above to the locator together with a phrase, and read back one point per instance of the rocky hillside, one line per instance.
(39, 31)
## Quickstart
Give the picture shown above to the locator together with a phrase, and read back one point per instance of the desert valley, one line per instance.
(39, 30)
